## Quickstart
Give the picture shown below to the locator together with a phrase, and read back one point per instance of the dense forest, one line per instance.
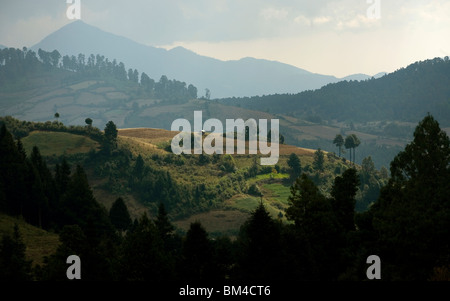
(404, 95)
(16, 63)
(325, 238)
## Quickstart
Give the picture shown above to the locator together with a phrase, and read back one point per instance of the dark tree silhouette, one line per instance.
(119, 215)
(339, 142)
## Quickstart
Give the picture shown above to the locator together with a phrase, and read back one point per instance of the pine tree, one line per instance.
(339, 142)
(13, 263)
(319, 160)
(110, 142)
(163, 225)
(44, 188)
(119, 215)
(138, 170)
(79, 206)
(62, 177)
(14, 170)
(314, 218)
(413, 210)
(343, 200)
(259, 240)
(295, 165)
(197, 262)
(142, 257)
(349, 144)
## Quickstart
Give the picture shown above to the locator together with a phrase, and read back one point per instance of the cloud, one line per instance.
(271, 13)
(27, 32)
(321, 20)
(302, 20)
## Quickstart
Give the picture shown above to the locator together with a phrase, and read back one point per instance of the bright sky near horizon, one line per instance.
(339, 37)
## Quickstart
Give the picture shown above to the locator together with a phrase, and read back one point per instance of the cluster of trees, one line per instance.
(20, 129)
(99, 66)
(350, 142)
(407, 227)
(45, 199)
(15, 63)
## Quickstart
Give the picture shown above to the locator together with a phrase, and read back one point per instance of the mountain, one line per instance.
(361, 76)
(405, 95)
(244, 77)
(2, 46)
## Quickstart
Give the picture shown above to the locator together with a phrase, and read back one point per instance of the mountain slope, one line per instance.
(40, 243)
(244, 77)
(405, 95)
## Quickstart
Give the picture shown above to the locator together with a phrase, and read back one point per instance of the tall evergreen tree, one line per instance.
(319, 160)
(119, 215)
(356, 143)
(143, 257)
(349, 144)
(13, 263)
(314, 218)
(163, 225)
(259, 238)
(339, 142)
(139, 166)
(343, 200)
(79, 206)
(62, 177)
(295, 165)
(14, 169)
(412, 214)
(110, 136)
(197, 255)
(45, 184)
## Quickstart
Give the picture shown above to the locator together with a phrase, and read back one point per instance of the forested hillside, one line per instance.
(114, 194)
(35, 86)
(320, 236)
(405, 95)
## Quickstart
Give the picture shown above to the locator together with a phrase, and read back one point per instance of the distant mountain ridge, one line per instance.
(405, 95)
(244, 77)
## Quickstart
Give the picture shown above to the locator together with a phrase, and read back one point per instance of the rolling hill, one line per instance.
(218, 197)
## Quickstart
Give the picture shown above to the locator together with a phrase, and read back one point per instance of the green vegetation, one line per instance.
(39, 243)
(378, 111)
(314, 231)
(129, 207)
(51, 143)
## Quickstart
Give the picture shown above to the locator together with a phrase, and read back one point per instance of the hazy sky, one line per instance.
(339, 37)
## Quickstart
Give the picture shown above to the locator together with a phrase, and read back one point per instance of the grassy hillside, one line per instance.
(39, 242)
(58, 143)
(232, 212)
(221, 212)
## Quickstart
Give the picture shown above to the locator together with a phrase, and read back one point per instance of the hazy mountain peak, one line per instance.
(244, 77)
